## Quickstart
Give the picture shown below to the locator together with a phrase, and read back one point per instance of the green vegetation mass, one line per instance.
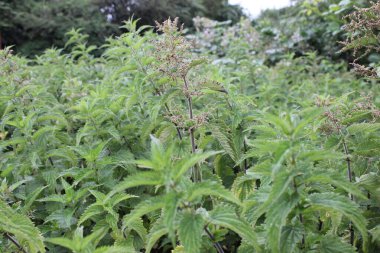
(234, 138)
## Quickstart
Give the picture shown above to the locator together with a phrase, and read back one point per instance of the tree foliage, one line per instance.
(32, 26)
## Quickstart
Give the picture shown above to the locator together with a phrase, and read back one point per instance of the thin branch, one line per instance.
(15, 242)
(217, 246)
(300, 216)
(196, 171)
(349, 174)
(320, 224)
(175, 124)
(245, 160)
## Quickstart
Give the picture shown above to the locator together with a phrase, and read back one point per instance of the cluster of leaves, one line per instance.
(158, 146)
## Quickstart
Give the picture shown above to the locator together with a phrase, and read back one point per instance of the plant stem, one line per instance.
(349, 174)
(245, 160)
(51, 161)
(369, 197)
(349, 171)
(145, 71)
(176, 126)
(196, 171)
(15, 242)
(300, 216)
(320, 224)
(217, 246)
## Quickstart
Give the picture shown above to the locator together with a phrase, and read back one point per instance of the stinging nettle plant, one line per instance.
(152, 148)
(181, 203)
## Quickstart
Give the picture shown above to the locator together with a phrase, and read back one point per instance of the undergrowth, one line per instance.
(165, 145)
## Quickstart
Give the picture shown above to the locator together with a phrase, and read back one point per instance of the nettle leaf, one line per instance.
(331, 244)
(102, 205)
(22, 228)
(341, 204)
(144, 207)
(330, 177)
(225, 141)
(90, 212)
(279, 123)
(243, 186)
(276, 219)
(157, 231)
(31, 198)
(54, 198)
(375, 233)
(210, 188)
(320, 155)
(245, 248)
(264, 131)
(63, 217)
(79, 243)
(225, 216)
(291, 235)
(115, 249)
(64, 242)
(281, 184)
(170, 212)
(190, 231)
(361, 128)
(145, 178)
(187, 163)
(137, 225)
(310, 114)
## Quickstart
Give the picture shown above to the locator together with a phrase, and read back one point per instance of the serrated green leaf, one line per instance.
(22, 228)
(225, 216)
(190, 231)
(338, 203)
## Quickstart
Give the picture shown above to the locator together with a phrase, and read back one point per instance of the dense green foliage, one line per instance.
(34, 25)
(162, 145)
(308, 25)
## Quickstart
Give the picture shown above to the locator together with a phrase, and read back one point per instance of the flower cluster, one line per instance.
(172, 50)
(185, 123)
(364, 38)
(174, 59)
(336, 118)
(366, 104)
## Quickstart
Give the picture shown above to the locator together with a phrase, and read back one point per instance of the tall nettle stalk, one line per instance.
(175, 60)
